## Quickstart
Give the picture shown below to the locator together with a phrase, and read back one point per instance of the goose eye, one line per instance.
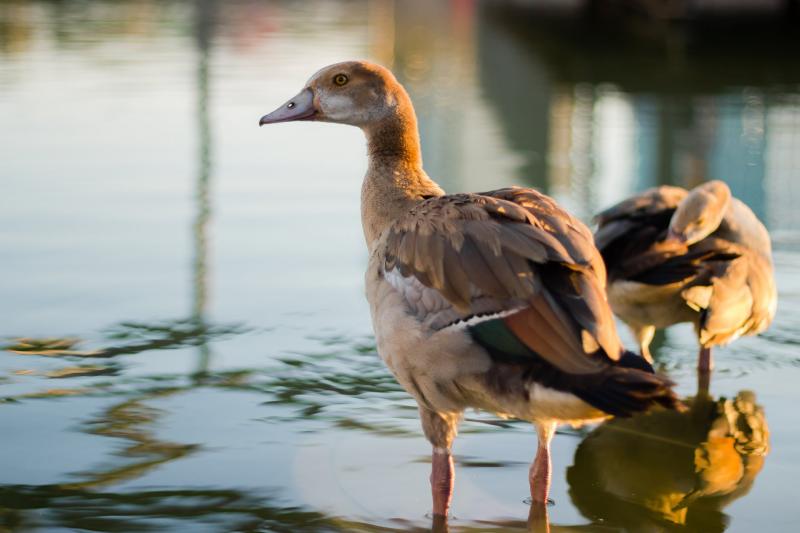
(340, 79)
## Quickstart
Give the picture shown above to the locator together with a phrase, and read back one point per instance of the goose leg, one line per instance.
(442, 480)
(440, 429)
(703, 384)
(705, 362)
(539, 476)
(644, 336)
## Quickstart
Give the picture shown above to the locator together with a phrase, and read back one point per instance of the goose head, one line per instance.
(700, 213)
(357, 93)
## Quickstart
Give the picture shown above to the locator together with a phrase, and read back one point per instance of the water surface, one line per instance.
(187, 346)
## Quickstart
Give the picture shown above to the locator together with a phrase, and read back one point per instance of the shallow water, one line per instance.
(187, 343)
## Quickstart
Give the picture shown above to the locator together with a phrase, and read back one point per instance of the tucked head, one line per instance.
(358, 93)
(700, 213)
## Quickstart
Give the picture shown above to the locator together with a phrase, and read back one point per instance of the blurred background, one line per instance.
(186, 346)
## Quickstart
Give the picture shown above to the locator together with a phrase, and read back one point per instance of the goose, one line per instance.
(492, 300)
(699, 256)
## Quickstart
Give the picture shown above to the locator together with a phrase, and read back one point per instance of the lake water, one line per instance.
(187, 345)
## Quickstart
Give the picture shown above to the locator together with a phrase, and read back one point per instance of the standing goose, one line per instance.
(492, 300)
(698, 256)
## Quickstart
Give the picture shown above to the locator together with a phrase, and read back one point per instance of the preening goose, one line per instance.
(699, 256)
(493, 300)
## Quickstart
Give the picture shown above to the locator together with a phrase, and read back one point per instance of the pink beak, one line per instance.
(301, 107)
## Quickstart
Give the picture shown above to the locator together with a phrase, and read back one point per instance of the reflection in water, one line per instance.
(318, 390)
(29, 507)
(128, 338)
(129, 421)
(319, 386)
(597, 108)
(665, 468)
(205, 20)
(678, 469)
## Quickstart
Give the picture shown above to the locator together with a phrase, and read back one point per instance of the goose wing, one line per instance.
(629, 234)
(733, 290)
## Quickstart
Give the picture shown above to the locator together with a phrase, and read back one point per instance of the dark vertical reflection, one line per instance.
(428, 58)
(522, 105)
(665, 143)
(204, 23)
(690, 101)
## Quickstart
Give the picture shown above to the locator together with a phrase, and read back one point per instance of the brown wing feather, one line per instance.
(517, 248)
(761, 281)
(544, 328)
(733, 291)
(479, 272)
(585, 300)
(627, 232)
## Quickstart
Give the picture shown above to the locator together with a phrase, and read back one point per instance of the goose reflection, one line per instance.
(671, 471)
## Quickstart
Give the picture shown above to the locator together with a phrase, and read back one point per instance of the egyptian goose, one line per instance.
(699, 256)
(493, 300)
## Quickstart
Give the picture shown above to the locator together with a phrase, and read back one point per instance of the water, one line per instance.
(187, 343)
